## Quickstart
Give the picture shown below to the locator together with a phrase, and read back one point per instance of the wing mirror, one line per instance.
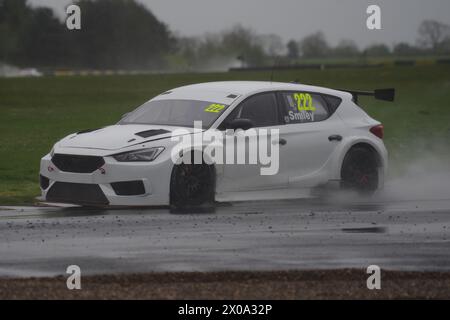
(243, 124)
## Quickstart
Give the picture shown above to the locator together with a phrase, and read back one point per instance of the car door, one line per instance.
(263, 110)
(311, 134)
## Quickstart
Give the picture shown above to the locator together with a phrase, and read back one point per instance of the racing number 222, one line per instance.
(215, 108)
(304, 102)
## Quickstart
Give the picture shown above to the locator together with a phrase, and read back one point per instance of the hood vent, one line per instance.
(87, 130)
(151, 133)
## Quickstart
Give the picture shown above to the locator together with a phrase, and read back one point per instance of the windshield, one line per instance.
(175, 113)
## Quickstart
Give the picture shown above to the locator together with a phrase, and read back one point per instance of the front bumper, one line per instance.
(110, 185)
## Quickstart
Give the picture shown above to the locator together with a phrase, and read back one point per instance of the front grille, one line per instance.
(77, 193)
(76, 163)
(128, 188)
(44, 182)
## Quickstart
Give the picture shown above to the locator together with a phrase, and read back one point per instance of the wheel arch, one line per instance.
(377, 149)
(193, 151)
(367, 146)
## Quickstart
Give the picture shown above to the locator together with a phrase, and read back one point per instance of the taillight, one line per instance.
(378, 131)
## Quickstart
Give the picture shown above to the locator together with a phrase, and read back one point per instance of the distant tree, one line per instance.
(445, 46)
(292, 50)
(114, 34)
(377, 50)
(314, 46)
(272, 44)
(42, 41)
(346, 48)
(405, 49)
(244, 43)
(14, 17)
(118, 34)
(237, 46)
(210, 47)
(186, 51)
(432, 34)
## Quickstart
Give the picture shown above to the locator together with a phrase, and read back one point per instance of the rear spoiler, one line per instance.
(380, 94)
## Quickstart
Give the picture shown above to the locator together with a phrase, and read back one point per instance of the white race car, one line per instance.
(324, 139)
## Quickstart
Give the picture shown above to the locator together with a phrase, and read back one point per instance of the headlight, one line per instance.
(139, 155)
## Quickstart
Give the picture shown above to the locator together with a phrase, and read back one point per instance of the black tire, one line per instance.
(360, 171)
(192, 186)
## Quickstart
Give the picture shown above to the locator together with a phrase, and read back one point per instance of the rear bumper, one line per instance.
(146, 184)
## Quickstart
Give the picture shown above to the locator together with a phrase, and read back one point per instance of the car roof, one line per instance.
(220, 91)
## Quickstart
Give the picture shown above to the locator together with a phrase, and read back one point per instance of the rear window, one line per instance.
(304, 107)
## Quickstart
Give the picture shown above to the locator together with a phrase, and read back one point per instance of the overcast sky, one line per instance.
(338, 19)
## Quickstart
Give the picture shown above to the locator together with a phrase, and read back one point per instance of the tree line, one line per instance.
(114, 34)
(433, 39)
(123, 34)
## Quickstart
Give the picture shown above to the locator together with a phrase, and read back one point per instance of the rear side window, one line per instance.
(333, 102)
(262, 109)
(304, 107)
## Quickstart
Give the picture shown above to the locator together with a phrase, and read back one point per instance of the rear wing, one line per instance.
(380, 94)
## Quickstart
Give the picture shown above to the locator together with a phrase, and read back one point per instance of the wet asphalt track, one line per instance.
(300, 234)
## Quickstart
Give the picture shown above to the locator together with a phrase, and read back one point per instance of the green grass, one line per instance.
(36, 112)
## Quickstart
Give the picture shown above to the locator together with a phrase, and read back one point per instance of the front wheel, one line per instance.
(360, 171)
(192, 185)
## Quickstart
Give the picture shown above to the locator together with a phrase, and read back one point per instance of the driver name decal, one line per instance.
(301, 107)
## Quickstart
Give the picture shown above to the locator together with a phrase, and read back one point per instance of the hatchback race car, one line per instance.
(324, 139)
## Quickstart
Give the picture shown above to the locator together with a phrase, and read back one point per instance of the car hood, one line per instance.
(120, 136)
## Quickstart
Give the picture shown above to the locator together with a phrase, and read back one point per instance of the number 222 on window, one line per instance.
(304, 102)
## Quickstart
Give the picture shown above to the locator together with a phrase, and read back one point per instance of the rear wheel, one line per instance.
(192, 185)
(360, 170)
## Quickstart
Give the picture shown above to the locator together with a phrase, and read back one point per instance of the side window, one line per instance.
(304, 107)
(262, 109)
